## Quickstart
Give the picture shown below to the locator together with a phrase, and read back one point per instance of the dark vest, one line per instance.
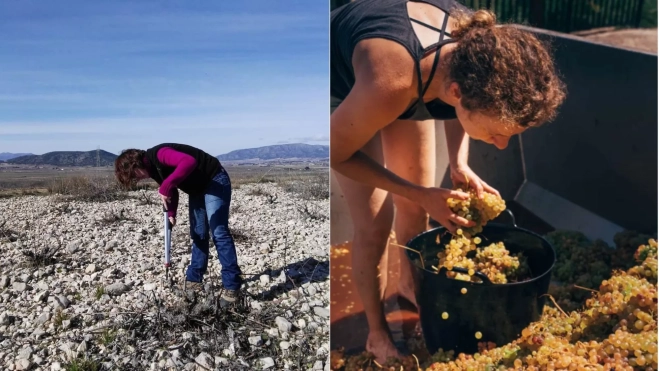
(386, 19)
(196, 182)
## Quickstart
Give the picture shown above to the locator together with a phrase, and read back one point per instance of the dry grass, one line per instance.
(307, 185)
(92, 189)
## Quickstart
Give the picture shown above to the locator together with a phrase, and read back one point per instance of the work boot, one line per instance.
(192, 289)
(228, 298)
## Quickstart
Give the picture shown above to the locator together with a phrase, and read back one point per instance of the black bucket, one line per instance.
(498, 311)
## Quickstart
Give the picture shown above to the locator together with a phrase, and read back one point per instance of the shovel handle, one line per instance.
(168, 238)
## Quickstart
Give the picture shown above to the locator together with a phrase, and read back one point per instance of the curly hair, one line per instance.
(503, 71)
(125, 165)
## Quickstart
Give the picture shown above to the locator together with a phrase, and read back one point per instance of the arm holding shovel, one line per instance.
(170, 204)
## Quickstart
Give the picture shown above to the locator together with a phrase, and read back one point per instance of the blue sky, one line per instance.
(219, 75)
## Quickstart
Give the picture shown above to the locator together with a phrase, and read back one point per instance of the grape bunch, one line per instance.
(646, 257)
(480, 211)
(627, 242)
(494, 260)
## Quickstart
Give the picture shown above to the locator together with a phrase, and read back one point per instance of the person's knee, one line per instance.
(199, 233)
(222, 233)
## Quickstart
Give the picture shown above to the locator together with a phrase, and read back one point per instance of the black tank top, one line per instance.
(386, 19)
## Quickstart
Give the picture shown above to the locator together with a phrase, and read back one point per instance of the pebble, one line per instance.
(4, 282)
(22, 364)
(322, 312)
(255, 340)
(25, 353)
(41, 296)
(62, 301)
(205, 360)
(267, 362)
(116, 289)
(283, 324)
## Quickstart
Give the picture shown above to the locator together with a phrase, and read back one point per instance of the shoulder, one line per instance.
(385, 63)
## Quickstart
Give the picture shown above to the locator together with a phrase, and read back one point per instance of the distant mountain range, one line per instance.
(4, 156)
(88, 158)
(66, 158)
(280, 151)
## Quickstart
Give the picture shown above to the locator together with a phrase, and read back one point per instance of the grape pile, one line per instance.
(480, 211)
(586, 263)
(616, 330)
(494, 260)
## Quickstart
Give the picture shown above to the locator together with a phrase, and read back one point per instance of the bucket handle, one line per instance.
(478, 274)
(423, 264)
(512, 216)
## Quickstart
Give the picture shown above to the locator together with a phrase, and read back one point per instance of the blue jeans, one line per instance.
(211, 209)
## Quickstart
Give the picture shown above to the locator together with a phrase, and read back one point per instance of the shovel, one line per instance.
(168, 244)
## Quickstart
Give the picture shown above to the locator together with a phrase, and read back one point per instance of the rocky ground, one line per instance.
(82, 286)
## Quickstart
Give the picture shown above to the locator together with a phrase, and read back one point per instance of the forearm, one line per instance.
(457, 142)
(363, 169)
(173, 205)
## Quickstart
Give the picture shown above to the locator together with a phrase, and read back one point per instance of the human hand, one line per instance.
(433, 200)
(172, 221)
(462, 176)
(165, 200)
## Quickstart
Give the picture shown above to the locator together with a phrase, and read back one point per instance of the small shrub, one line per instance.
(239, 235)
(257, 191)
(41, 255)
(100, 290)
(82, 188)
(311, 211)
(114, 217)
(82, 364)
(236, 208)
(310, 188)
(108, 336)
(59, 318)
(7, 234)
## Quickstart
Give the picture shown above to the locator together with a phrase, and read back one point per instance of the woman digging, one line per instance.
(181, 167)
(396, 66)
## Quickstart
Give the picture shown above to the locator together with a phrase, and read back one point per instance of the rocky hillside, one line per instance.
(82, 286)
(66, 159)
(281, 151)
(4, 156)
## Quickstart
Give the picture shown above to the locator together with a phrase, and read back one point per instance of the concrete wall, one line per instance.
(601, 152)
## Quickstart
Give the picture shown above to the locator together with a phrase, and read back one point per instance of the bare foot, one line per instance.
(381, 346)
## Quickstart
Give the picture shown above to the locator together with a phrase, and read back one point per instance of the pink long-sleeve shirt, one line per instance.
(183, 165)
